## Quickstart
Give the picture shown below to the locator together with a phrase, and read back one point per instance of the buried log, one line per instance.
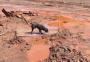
(7, 14)
(31, 13)
(24, 19)
(17, 13)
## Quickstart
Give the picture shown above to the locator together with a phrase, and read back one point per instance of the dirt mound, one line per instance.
(13, 48)
(60, 52)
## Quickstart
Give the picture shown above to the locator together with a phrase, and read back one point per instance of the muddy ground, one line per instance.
(69, 19)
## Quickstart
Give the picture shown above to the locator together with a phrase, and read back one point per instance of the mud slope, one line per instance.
(67, 24)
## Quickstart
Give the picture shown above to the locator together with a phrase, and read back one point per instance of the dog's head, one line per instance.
(46, 29)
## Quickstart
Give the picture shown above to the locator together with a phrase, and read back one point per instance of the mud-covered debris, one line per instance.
(61, 52)
(25, 47)
(30, 13)
(65, 33)
(61, 34)
(1, 24)
(18, 13)
(16, 39)
(7, 14)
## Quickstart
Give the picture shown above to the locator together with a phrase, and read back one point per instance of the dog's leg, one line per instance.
(32, 30)
(40, 31)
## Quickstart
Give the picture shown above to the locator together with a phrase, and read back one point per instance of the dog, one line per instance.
(40, 27)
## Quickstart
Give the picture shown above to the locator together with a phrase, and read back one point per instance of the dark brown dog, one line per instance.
(39, 27)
